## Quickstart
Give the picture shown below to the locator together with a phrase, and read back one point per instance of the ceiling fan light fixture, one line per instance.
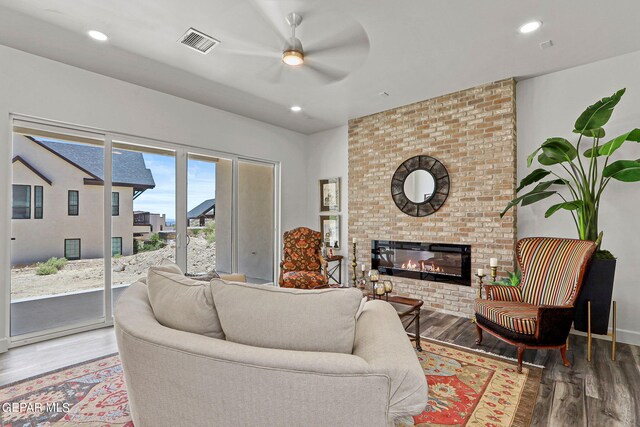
(293, 57)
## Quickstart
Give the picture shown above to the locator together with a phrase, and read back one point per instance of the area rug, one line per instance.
(466, 388)
(88, 394)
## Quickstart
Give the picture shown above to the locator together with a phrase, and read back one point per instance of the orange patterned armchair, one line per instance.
(537, 313)
(302, 265)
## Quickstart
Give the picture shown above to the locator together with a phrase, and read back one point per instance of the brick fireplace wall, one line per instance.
(473, 133)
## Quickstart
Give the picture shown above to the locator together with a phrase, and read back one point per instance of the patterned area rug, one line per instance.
(468, 388)
(465, 388)
(88, 394)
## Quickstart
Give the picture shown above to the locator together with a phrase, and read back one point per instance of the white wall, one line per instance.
(328, 157)
(39, 87)
(548, 106)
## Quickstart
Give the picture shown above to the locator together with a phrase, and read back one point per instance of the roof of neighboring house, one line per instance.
(202, 209)
(129, 168)
(31, 168)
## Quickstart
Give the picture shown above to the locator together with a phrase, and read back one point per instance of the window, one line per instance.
(116, 246)
(21, 202)
(73, 202)
(72, 249)
(37, 201)
(115, 203)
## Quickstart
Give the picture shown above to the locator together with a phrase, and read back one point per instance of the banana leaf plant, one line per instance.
(579, 179)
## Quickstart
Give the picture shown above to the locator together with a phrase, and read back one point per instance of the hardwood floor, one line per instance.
(35, 359)
(600, 393)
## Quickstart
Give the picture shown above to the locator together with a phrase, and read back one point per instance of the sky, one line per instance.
(201, 185)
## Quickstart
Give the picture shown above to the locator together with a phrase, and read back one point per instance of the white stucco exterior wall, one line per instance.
(40, 239)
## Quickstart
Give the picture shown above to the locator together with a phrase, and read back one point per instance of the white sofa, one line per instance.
(176, 378)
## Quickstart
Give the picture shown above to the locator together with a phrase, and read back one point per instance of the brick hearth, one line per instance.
(473, 133)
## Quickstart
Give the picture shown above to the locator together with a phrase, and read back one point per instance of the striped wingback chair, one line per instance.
(302, 264)
(538, 313)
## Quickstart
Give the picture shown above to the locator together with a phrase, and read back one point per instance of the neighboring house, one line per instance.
(57, 206)
(147, 223)
(199, 215)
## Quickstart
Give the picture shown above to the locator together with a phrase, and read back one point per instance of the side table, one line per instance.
(334, 272)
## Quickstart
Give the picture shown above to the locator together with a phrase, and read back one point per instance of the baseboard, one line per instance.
(622, 335)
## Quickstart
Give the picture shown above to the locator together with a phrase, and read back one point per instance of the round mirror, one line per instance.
(419, 186)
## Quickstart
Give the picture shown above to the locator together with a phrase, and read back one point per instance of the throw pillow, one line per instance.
(182, 303)
(289, 319)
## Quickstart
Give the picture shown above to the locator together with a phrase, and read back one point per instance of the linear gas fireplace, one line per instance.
(436, 262)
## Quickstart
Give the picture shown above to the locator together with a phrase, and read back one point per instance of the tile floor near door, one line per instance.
(600, 393)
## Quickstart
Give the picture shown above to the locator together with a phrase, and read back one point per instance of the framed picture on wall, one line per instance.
(330, 195)
(330, 229)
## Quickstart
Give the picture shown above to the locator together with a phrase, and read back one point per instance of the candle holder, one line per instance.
(480, 284)
(388, 288)
(354, 264)
(362, 283)
(378, 289)
(494, 273)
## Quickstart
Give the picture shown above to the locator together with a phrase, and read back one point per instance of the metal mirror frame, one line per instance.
(437, 199)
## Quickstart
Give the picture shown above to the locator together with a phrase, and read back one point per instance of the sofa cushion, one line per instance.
(182, 303)
(290, 319)
(516, 316)
(167, 265)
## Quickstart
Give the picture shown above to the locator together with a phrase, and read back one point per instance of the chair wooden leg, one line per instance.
(563, 353)
(479, 331)
(520, 350)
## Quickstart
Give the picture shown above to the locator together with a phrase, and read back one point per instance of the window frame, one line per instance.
(112, 246)
(115, 208)
(77, 204)
(13, 186)
(38, 211)
(79, 249)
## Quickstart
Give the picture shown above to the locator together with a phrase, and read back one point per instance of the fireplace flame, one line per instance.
(422, 266)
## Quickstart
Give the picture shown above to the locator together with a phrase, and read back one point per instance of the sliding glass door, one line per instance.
(256, 225)
(209, 214)
(57, 223)
(143, 211)
(86, 224)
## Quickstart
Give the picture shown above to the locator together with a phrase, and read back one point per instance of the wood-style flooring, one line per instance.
(602, 393)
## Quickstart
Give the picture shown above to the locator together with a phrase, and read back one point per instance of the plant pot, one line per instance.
(597, 288)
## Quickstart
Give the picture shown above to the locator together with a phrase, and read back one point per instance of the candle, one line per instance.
(493, 262)
(388, 286)
(379, 288)
(362, 267)
(480, 272)
(354, 240)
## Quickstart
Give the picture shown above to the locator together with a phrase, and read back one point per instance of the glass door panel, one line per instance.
(143, 211)
(209, 199)
(57, 232)
(256, 226)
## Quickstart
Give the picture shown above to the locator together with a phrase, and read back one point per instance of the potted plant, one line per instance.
(579, 179)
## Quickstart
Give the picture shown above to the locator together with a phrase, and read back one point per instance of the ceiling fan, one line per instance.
(292, 53)
(335, 45)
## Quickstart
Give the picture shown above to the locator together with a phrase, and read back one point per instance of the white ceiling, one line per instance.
(411, 49)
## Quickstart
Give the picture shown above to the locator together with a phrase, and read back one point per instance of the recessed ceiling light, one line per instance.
(97, 35)
(530, 27)
(296, 108)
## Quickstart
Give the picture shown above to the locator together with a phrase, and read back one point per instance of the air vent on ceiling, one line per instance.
(198, 41)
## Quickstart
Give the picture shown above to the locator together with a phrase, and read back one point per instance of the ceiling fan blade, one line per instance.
(272, 18)
(324, 73)
(273, 73)
(349, 41)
